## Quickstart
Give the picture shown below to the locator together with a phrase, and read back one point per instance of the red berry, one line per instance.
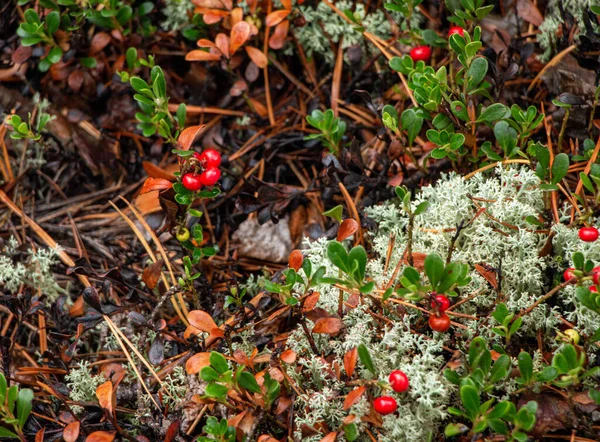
(593, 289)
(420, 53)
(209, 158)
(596, 275)
(588, 234)
(210, 176)
(456, 30)
(441, 303)
(568, 274)
(191, 181)
(385, 405)
(439, 323)
(399, 381)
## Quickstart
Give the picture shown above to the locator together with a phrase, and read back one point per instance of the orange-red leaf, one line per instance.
(350, 361)
(257, 56)
(310, 302)
(353, 397)
(266, 438)
(240, 33)
(288, 356)
(71, 432)
(237, 15)
(155, 171)
(328, 326)
(205, 43)
(105, 396)
(348, 227)
(287, 4)
(276, 17)
(155, 184)
(101, 436)
(277, 40)
(151, 274)
(295, 259)
(197, 362)
(188, 136)
(204, 322)
(222, 42)
(214, 16)
(488, 274)
(200, 55)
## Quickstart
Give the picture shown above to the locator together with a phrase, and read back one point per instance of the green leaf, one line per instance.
(24, 405)
(434, 268)
(52, 22)
(421, 208)
(365, 358)
(209, 374)
(248, 382)
(493, 113)
(455, 429)
(412, 124)
(7, 433)
(338, 256)
(358, 255)
(336, 213)
(479, 67)
(525, 366)
(479, 355)
(470, 399)
(560, 167)
(351, 432)
(216, 390)
(55, 54)
(218, 362)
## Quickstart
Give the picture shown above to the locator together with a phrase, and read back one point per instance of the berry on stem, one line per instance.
(573, 335)
(596, 275)
(398, 381)
(439, 323)
(588, 234)
(385, 405)
(210, 176)
(183, 234)
(456, 30)
(441, 303)
(594, 289)
(420, 53)
(209, 158)
(568, 274)
(191, 181)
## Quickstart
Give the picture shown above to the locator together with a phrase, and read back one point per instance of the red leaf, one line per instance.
(188, 136)
(310, 302)
(350, 361)
(353, 397)
(197, 362)
(257, 56)
(288, 356)
(295, 259)
(101, 436)
(155, 184)
(240, 33)
(172, 431)
(105, 396)
(348, 227)
(328, 326)
(276, 17)
(200, 55)
(277, 40)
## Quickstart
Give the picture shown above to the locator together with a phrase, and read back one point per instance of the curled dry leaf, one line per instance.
(276, 17)
(353, 397)
(188, 136)
(101, 436)
(197, 362)
(240, 33)
(295, 259)
(71, 432)
(200, 55)
(257, 57)
(152, 184)
(350, 361)
(277, 40)
(348, 227)
(105, 396)
(328, 326)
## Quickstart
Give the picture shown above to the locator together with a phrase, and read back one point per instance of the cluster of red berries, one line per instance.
(587, 234)
(439, 321)
(210, 160)
(387, 404)
(423, 53)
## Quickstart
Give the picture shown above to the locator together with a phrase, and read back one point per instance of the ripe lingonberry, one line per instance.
(385, 405)
(568, 274)
(439, 323)
(191, 181)
(594, 289)
(441, 303)
(210, 176)
(398, 381)
(596, 275)
(420, 53)
(588, 234)
(456, 30)
(209, 158)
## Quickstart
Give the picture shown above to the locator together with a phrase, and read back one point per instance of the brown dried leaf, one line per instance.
(240, 33)
(488, 274)
(287, 4)
(529, 12)
(280, 33)
(353, 397)
(295, 259)
(266, 438)
(204, 322)
(283, 404)
(329, 326)
(197, 362)
(257, 56)
(155, 171)
(348, 227)
(330, 437)
(105, 396)
(238, 88)
(188, 136)
(99, 42)
(151, 274)
(276, 17)
(222, 43)
(237, 15)
(152, 184)
(200, 55)
(288, 356)
(350, 361)
(310, 302)
(101, 436)
(71, 432)
(75, 80)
